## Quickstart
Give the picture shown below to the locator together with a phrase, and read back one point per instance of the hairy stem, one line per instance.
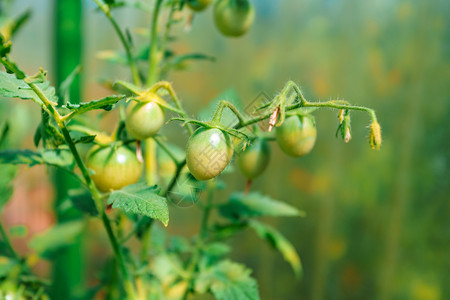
(92, 188)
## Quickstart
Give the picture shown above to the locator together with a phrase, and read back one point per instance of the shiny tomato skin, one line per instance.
(144, 119)
(254, 159)
(208, 152)
(297, 135)
(233, 17)
(113, 168)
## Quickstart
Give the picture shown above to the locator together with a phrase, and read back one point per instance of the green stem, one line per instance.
(131, 62)
(174, 178)
(93, 189)
(191, 269)
(166, 149)
(217, 118)
(8, 243)
(150, 162)
(153, 53)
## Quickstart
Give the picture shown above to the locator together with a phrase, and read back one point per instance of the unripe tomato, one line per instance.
(208, 152)
(198, 5)
(144, 119)
(114, 168)
(254, 159)
(297, 135)
(233, 17)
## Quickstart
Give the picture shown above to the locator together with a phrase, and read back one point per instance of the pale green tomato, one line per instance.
(233, 17)
(297, 135)
(144, 119)
(254, 160)
(198, 5)
(114, 169)
(208, 152)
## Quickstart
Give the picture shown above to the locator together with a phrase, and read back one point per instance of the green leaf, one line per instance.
(279, 242)
(104, 103)
(54, 157)
(83, 201)
(216, 249)
(228, 117)
(11, 87)
(228, 281)
(64, 87)
(6, 265)
(254, 205)
(179, 61)
(85, 139)
(8, 172)
(142, 200)
(57, 238)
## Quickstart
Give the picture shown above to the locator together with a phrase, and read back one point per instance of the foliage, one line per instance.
(161, 270)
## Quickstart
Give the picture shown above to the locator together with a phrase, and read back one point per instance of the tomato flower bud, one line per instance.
(375, 135)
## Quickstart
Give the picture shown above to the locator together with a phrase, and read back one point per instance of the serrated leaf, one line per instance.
(104, 103)
(56, 238)
(54, 157)
(279, 242)
(228, 118)
(12, 87)
(254, 205)
(142, 200)
(228, 281)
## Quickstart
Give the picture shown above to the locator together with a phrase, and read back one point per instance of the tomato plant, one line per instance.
(110, 176)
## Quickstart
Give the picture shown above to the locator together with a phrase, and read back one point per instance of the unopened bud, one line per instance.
(273, 118)
(341, 116)
(348, 136)
(375, 135)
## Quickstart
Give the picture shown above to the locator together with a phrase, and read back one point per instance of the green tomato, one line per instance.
(254, 160)
(208, 152)
(114, 168)
(144, 119)
(198, 5)
(233, 17)
(297, 135)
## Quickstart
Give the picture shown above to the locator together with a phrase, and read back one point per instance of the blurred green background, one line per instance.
(378, 222)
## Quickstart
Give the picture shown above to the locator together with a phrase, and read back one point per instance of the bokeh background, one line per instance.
(378, 222)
